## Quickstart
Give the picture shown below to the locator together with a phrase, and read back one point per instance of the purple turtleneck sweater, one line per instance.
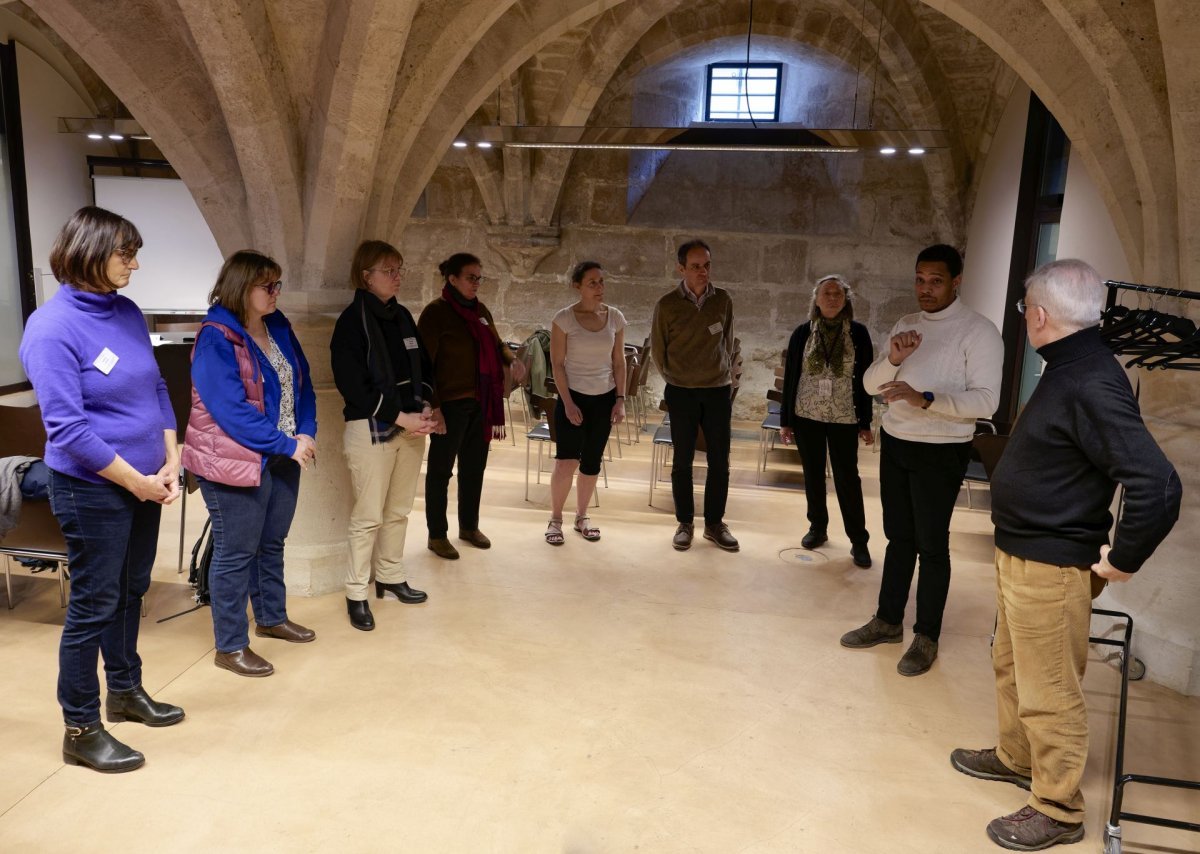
(92, 416)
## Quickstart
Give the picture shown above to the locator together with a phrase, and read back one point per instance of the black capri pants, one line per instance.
(586, 442)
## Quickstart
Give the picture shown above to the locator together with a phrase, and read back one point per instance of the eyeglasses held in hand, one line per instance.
(272, 288)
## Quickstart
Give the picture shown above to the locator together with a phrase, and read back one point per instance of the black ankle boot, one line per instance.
(360, 615)
(402, 591)
(91, 746)
(137, 706)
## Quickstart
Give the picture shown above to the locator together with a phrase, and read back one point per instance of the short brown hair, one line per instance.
(81, 251)
(241, 271)
(367, 255)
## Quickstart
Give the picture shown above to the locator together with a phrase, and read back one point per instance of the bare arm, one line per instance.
(618, 366)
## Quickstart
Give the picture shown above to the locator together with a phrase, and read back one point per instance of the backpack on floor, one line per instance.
(202, 554)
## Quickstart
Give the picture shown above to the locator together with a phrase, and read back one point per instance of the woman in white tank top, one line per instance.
(587, 353)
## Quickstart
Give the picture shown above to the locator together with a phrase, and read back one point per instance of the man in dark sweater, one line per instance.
(1079, 436)
(692, 344)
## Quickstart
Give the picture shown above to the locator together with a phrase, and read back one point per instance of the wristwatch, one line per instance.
(928, 395)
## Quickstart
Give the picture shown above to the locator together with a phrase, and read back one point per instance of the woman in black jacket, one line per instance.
(386, 379)
(825, 405)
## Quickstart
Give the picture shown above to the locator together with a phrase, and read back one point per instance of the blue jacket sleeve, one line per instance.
(217, 381)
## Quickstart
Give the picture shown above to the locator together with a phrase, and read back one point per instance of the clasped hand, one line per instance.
(306, 450)
(422, 423)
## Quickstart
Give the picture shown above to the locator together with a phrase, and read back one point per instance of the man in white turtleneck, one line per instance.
(940, 372)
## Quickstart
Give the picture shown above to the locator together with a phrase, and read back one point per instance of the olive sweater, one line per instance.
(693, 345)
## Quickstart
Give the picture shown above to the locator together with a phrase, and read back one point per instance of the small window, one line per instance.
(740, 91)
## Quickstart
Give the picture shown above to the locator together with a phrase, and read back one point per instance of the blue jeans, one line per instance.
(249, 525)
(111, 542)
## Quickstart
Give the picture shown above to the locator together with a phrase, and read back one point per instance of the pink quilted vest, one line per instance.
(209, 452)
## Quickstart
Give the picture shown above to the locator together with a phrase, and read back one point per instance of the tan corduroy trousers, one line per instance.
(1039, 655)
(385, 480)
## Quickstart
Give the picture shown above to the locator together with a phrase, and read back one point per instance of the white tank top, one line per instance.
(589, 354)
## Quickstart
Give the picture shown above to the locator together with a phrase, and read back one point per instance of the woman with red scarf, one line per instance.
(468, 366)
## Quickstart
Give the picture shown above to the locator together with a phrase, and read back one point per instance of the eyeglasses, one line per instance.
(1021, 306)
(272, 288)
(127, 256)
(390, 272)
(475, 280)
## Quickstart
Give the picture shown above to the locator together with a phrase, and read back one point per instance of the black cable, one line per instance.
(857, 70)
(875, 78)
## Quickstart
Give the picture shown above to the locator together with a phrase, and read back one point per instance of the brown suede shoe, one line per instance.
(288, 631)
(875, 632)
(475, 538)
(986, 765)
(244, 662)
(720, 535)
(682, 541)
(921, 654)
(443, 548)
(1029, 830)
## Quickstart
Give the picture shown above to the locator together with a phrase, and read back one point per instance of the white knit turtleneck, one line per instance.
(960, 360)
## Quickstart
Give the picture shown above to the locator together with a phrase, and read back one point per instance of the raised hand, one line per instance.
(902, 345)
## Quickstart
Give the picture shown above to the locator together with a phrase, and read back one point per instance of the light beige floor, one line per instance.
(611, 696)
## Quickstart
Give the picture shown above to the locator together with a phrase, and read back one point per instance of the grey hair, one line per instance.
(1069, 290)
(847, 312)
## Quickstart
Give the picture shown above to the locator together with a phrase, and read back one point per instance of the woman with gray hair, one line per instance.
(825, 407)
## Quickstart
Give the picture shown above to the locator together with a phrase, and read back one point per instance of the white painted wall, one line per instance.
(988, 254)
(1086, 230)
(55, 163)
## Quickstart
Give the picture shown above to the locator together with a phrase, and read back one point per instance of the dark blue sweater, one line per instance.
(1081, 434)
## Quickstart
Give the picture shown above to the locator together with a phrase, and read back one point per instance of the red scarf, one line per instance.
(489, 383)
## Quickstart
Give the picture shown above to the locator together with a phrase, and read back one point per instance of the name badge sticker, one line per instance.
(715, 329)
(106, 361)
(410, 343)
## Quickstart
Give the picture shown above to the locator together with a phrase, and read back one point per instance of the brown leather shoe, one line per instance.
(475, 538)
(244, 662)
(1030, 830)
(682, 541)
(443, 548)
(288, 631)
(720, 535)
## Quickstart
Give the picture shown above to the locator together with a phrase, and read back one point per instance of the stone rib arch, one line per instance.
(415, 144)
(1033, 43)
(244, 71)
(153, 86)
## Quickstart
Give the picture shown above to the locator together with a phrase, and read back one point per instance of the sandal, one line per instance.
(554, 534)
(583, 524)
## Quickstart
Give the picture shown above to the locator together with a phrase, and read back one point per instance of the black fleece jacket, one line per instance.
(357, 370)
(1081, 434)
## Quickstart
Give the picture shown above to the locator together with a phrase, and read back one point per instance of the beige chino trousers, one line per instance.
(1039, 656)
(385, 480)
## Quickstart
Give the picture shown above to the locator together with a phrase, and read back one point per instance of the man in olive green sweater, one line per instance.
(692, 344)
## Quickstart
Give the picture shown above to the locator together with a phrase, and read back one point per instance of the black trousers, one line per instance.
(918, 484)
(812, 439)
(692, 410)
(466, 441)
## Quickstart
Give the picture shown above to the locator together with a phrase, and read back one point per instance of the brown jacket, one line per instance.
(452, 349)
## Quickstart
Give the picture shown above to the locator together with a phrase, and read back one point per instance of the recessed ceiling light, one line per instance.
(916, 151)
(95, 136)
(116, 137)
(887, 151)
(458, 143)
(483, 144)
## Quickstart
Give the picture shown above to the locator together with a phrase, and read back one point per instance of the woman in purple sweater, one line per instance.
(113, 462)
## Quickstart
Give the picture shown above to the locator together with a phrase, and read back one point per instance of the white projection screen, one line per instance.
(179, 259)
